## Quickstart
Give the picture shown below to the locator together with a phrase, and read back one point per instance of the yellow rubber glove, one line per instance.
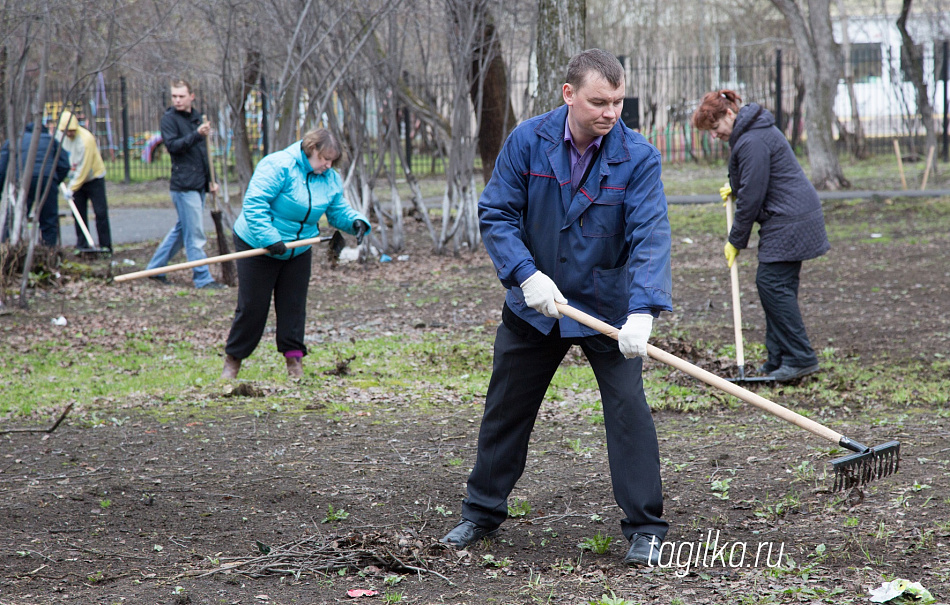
(731, 253)
(725, 192)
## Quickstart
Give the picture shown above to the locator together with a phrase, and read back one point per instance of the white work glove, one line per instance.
(634, 335)
(540, 293)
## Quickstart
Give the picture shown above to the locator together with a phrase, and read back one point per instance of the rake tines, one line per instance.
(872, 463)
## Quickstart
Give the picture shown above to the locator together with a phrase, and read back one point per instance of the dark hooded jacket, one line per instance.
(60, 168)
(188, 150)
(771, 189)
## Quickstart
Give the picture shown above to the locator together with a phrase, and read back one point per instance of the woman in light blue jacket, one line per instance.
(288, 194)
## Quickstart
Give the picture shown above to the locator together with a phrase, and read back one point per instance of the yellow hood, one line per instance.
(67, 121)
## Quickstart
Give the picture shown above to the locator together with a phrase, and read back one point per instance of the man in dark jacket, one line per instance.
(575, 211)
(771, 189)
(44, 168)
(183, 133)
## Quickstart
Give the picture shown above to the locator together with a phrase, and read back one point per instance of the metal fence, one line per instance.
(124, 114)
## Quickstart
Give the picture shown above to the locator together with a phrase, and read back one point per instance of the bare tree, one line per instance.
(489, 91)
(459, 203)
(561, 35)
(912, 62)
(856, 139)
(819, 57)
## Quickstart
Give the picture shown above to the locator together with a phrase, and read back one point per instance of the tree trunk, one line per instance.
(857, 141)
(819, 57)
(561, 35)
(490, 80)
(914, 68)
(26, 176)
(237, 96)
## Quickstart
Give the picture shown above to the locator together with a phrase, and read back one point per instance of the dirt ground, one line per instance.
(229, 507)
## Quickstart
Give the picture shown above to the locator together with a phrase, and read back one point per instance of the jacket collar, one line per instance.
(613, 150)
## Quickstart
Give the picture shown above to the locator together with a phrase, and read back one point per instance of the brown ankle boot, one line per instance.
(294, 367)
(232, 366)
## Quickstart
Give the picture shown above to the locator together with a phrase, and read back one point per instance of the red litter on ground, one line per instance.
(361, 592)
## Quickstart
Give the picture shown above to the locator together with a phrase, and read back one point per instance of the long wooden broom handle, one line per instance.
(734, 278)
(72, 207)
(709, 378)
(213, 259)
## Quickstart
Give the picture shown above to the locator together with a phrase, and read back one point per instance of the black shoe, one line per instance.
(466, 533)
(644, 551)
(160, 279)
(765, 369)
(213, 286)
(790, 373)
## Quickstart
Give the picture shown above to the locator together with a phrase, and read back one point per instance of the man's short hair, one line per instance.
(323, 142)
(595, 60)
(180, 83)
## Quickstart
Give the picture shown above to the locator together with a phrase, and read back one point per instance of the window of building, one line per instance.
(866, 62)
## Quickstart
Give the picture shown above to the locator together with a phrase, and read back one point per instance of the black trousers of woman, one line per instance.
(259, 277)
(785, 336)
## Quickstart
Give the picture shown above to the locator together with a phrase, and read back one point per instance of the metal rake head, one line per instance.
(859, 469)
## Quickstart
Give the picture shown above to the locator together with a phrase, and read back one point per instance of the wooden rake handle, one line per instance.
(734, 278)
(709, 378)
(212, 260)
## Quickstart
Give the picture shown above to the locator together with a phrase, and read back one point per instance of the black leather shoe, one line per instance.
(644, 551)
(789, 373)
(765, 369)
(466, 533)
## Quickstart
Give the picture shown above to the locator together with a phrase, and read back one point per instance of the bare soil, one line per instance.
(214, 504)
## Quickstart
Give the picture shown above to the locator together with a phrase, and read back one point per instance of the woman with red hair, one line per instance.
(771, 189)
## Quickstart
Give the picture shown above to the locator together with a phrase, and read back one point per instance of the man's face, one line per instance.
(594, 107)
(182, 98)
(71, 133)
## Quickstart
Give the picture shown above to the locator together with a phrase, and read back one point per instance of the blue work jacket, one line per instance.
(286, 198)
(607, 247)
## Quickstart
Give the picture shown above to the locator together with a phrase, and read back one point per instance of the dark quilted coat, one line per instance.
(771, 189)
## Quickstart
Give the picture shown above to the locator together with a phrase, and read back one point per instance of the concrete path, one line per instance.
(130, 225)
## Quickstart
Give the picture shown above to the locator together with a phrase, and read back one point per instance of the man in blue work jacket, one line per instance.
(575, 211)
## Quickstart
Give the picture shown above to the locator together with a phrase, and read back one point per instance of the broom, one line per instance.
(228, 269)
(854, 470)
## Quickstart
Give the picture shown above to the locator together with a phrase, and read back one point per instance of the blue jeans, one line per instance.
(188, 233)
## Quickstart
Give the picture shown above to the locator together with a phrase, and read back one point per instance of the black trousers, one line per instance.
(49, 213)
(524, 364)
(785, 337)
(258, 278)
(93, 191)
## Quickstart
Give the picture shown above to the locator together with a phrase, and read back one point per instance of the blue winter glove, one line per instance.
(359, 229)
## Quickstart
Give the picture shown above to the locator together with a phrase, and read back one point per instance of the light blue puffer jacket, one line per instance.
(286, 198)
